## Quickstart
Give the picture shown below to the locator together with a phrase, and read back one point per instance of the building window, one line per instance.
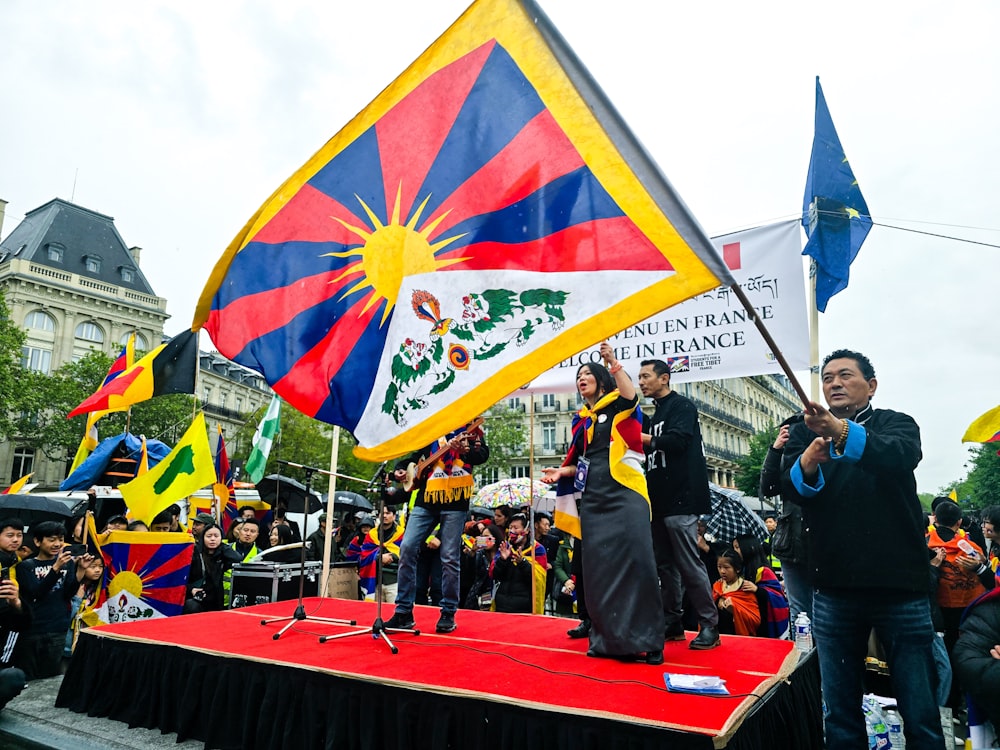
(54, 251)
(548, 400)
(514, 403)
(92, 263)
(40, 321)
(90, 331)
(24, 461)
(490, 475)
(141, 345)
(208, 394)
(239, 404)
(128, 276)
(548, 434)
(519, 471)
(35, 359)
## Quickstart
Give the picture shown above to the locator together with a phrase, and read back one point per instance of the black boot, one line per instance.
(580, 631)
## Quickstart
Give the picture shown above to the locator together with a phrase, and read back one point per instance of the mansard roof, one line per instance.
(81, 234)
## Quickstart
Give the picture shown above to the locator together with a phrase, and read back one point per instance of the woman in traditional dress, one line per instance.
(604, 466)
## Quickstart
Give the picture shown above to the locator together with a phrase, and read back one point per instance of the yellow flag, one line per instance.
(186, 469)
(18, 485)
(986, 429)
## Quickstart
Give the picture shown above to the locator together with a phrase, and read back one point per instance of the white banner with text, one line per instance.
(712, 336)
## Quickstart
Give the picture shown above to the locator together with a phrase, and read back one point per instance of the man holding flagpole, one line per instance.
(850, 462)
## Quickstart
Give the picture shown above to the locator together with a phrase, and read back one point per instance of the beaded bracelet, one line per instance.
(842, 439)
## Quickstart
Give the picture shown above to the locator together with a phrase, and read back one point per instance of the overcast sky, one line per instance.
(180, 118)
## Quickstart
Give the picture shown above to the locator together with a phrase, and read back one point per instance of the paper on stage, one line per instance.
(695, 683)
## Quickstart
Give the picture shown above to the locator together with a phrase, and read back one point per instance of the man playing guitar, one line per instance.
(442, 480)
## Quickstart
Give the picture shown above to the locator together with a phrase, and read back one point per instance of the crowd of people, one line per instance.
(851, 548)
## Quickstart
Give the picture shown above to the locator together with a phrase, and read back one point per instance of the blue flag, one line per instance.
(834, 212)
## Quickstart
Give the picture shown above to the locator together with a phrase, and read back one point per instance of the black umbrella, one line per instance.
(351, 501)
(275, 488)
(34, 508)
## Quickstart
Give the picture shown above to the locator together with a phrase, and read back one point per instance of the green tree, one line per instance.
(14, 380)
(982, 486)
(42, 423)
(747, 477)
(504, 428)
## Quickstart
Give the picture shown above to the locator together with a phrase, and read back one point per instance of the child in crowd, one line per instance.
(83, 601)
(764, 584)
(48, 581)
(737, 603)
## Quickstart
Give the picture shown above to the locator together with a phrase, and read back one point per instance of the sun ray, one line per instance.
(361, 232)
(390, 253)
(395, 206)
(412, 223)
(349, 271)
(371, 214)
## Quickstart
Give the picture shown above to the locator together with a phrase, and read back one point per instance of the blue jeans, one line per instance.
(799, 590)
(844, 619)
(419, 525)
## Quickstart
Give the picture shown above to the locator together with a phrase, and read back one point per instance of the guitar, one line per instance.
(416, 469)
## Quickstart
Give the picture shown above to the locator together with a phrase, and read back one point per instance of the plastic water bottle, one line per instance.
(803, 632)
(894, 723)
(878, 733)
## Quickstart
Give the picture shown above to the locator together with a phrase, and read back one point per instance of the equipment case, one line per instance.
(263, 582)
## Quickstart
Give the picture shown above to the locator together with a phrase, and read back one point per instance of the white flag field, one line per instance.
(712, 336)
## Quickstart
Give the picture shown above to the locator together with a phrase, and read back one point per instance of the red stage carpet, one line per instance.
(523, 661)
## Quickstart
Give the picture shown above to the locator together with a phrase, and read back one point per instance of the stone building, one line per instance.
(74, 285)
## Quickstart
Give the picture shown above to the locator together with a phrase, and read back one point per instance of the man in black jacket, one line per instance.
(678, 493)
(852, 462)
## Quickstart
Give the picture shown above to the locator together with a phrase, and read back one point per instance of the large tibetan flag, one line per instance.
(169, 368)
(834, 212)
(185, 470)
(147, 575)
(985, 429)
(487, 216)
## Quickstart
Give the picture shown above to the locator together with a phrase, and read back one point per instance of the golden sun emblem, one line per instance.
(392, 252)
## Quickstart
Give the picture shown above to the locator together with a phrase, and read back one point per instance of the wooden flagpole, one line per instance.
(771, 343)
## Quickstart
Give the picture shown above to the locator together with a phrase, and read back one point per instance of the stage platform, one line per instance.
(499, 681)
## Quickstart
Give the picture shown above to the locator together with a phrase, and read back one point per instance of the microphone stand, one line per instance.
(377, 486)
(300, 611)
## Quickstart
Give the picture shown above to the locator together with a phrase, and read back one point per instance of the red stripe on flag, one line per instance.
(602, 245)
(538, 154)
(307, 382)
(244, 318)
(309, 217)
(410, 135)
